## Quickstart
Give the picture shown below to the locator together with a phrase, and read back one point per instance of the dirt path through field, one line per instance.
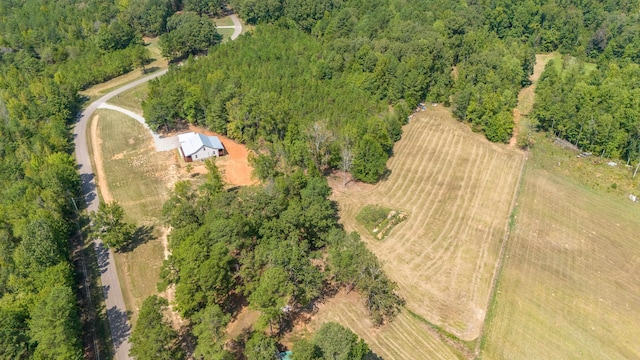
(101, 180)
(526, 96)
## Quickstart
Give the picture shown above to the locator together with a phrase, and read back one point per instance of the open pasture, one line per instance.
(458, 189)
(569, 286)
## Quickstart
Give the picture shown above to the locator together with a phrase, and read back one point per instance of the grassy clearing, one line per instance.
(223, 21)
(569, 288)
(592, 172)
(404, 338)
(380, 220)
(458, 188)
(226, 33)
(524, 127)
(132, 99)
(137, 177)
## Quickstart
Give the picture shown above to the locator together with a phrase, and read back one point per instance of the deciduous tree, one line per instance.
(110, 226)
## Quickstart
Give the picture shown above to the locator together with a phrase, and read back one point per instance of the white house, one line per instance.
(198, 147)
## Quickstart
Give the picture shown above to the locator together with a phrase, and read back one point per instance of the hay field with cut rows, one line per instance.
(570, 285)
(404, 338)
(458, 190)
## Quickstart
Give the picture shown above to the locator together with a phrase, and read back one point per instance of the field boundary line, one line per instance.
(501, 256)
(447, 337)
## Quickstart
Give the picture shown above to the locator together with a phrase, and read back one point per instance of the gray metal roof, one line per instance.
(192, 142)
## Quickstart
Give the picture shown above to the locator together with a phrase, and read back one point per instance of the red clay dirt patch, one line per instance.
(235, 165)
(96, 142)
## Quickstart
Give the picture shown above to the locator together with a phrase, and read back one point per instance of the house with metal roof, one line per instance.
(198, 147)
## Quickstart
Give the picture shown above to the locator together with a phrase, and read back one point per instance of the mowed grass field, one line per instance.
(458, 190)
(570, 285)
(132, 99)
(136, 176)
(404, 338)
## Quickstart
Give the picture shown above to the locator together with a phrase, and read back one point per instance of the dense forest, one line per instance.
(596, 109)
(279, 246)
(315, 86)
(318, 85)
(49, 50)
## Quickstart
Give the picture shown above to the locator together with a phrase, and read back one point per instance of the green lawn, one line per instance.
(226, 33)
(224, 21)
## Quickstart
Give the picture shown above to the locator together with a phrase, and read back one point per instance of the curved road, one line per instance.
(116, 310)
(237, 26)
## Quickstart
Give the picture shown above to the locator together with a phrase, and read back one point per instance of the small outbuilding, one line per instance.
(198, 147)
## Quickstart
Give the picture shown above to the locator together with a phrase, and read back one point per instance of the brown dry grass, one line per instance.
(132, 99)
(243, 321)
(137, 177)
(404, 338)
(458, 188)
(569, 286)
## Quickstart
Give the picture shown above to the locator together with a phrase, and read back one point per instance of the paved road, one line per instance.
(237, 25)
(116, 310)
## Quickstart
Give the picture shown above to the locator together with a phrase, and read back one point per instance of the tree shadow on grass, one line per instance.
(385, 175)
(141, 236)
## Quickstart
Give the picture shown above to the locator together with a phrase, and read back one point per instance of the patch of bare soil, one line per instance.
(243, 321)
(235, 165)
(516, 128)
(100, 179)
(172, 172)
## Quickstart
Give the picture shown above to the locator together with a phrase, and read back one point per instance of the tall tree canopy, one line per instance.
(264, 242)
(188, 34)
(153, 337)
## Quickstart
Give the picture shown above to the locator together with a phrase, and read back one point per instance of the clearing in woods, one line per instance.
(404, 338)
(569, 286)
(458, 189)
(234, 166)
(130, 171)
(526, 98)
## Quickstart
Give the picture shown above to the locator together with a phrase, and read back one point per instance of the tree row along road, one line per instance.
(114, 302)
